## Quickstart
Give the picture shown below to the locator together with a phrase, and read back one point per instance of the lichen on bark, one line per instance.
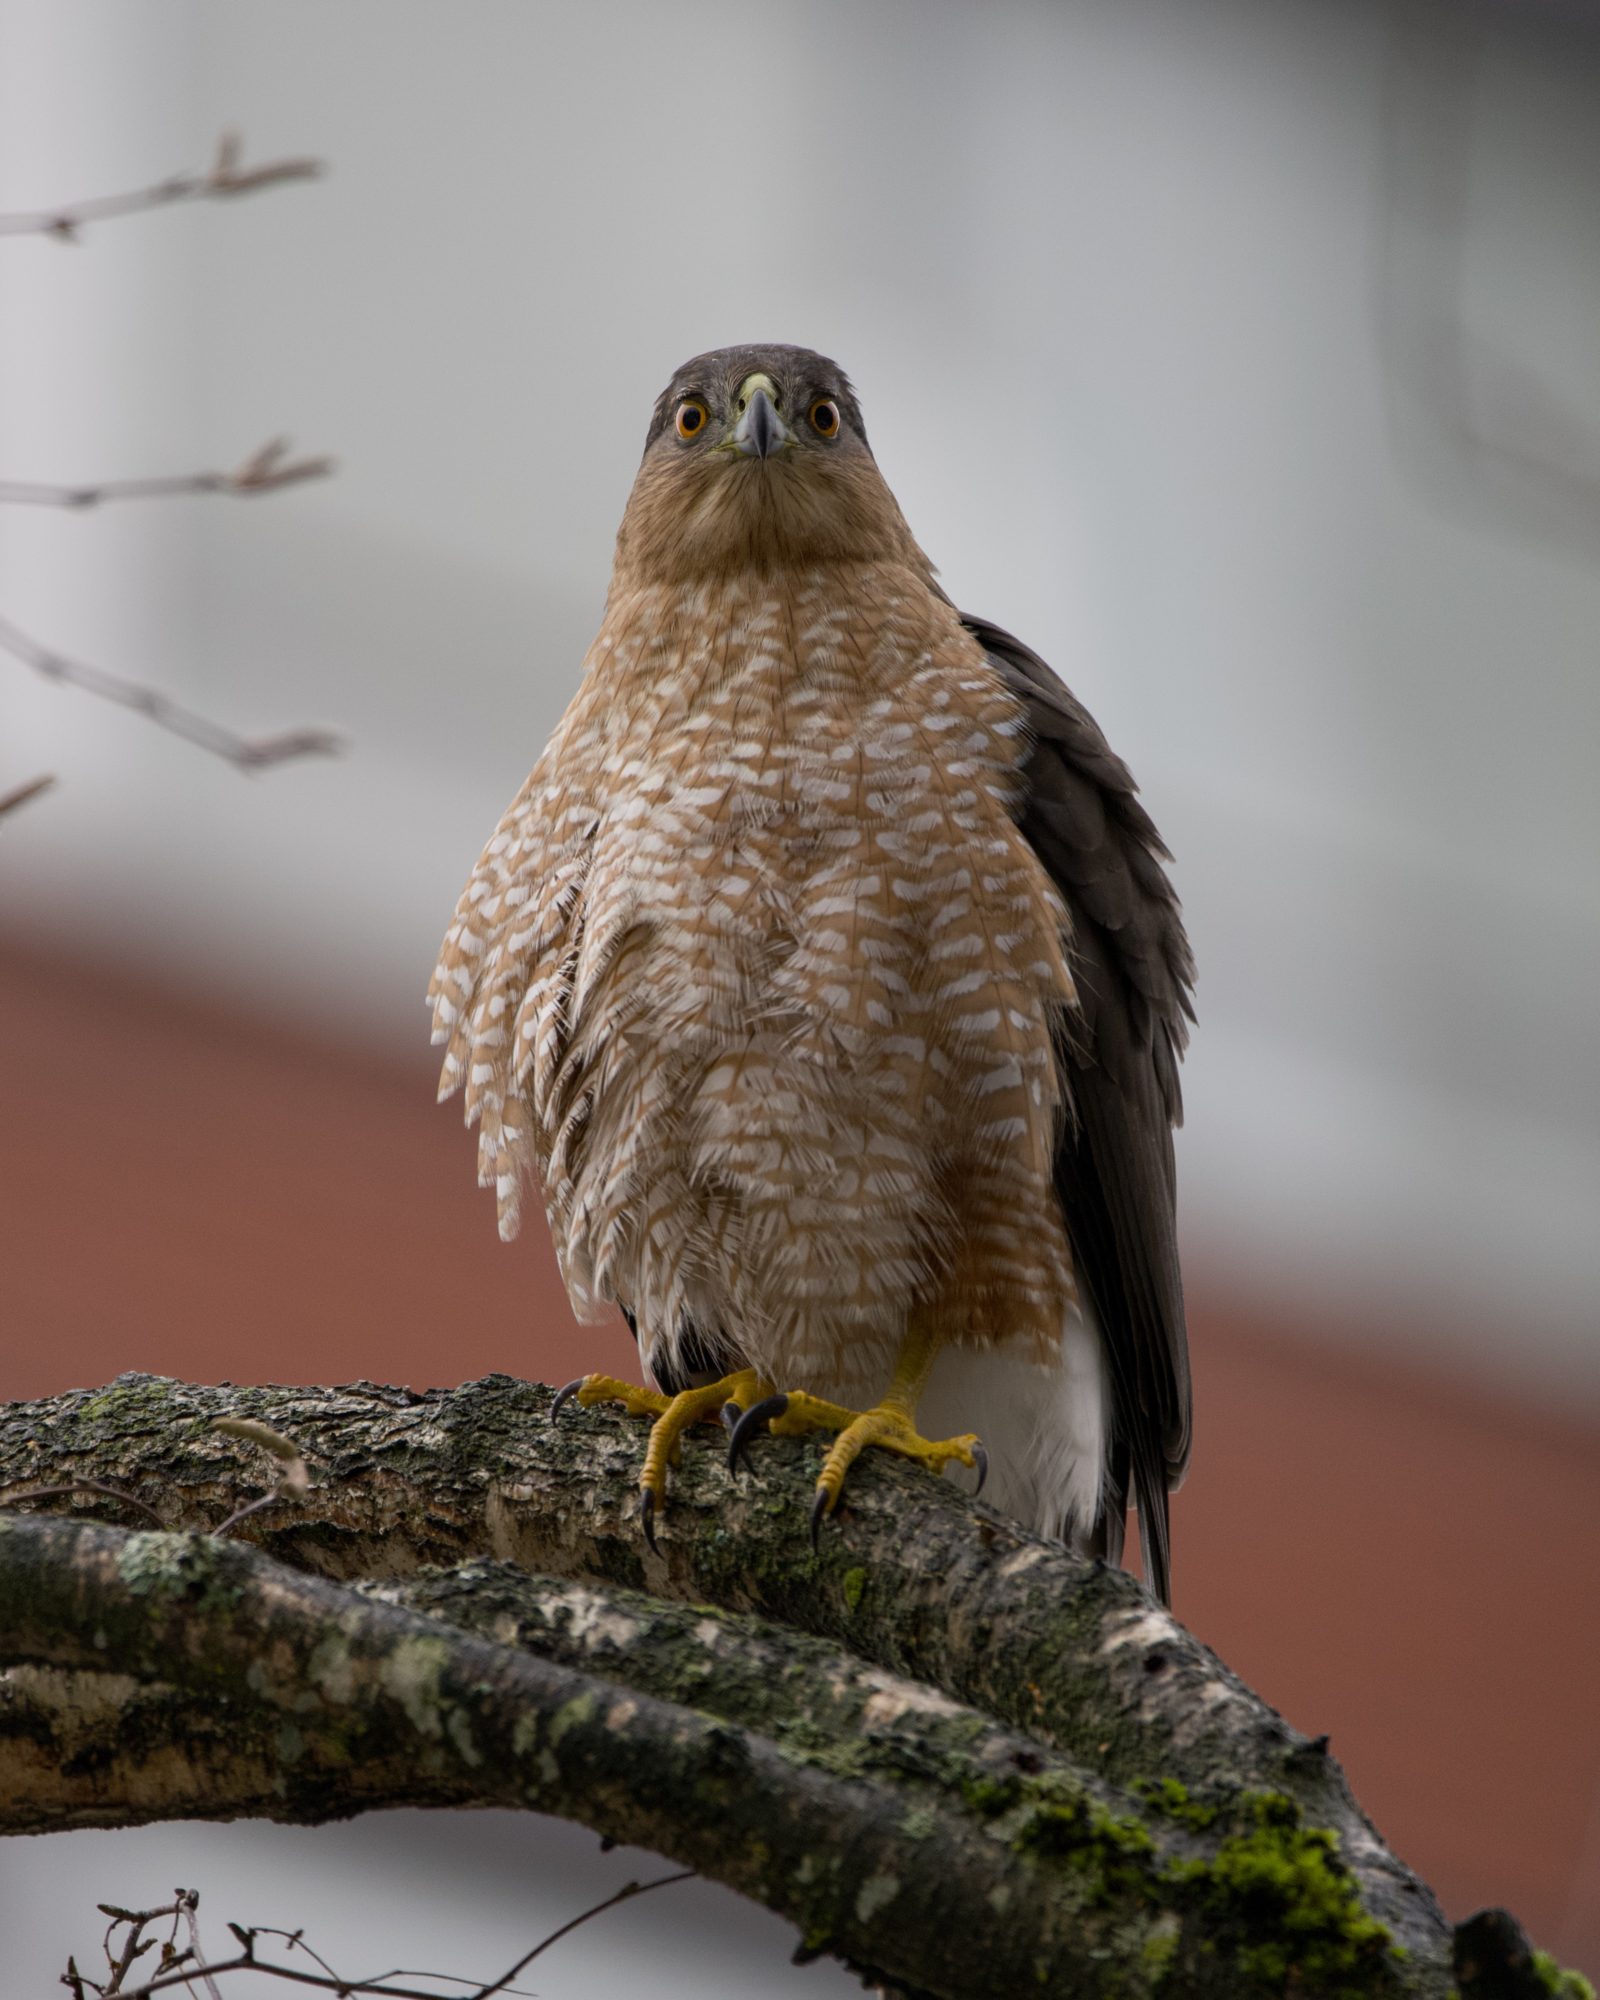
(954, 1755)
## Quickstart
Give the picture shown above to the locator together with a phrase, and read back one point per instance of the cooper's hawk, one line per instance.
(826, 973)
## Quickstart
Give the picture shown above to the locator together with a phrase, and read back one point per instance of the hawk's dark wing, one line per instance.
(1114, 1169)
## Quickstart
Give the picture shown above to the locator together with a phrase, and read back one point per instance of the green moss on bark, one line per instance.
(1172, 1800)
(1557, 1981)
(1280, 1891)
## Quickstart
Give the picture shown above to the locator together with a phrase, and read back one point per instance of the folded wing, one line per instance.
(1114, 1169)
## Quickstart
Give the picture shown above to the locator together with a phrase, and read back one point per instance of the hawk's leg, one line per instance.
(673, 1416)
(891, 1425)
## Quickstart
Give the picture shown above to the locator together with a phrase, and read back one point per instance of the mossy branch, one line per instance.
(952, 1754)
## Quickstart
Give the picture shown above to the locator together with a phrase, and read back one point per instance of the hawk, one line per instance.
(825, 974)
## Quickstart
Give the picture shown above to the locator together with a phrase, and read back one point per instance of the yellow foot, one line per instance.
(888, 1426)
(673, 1416)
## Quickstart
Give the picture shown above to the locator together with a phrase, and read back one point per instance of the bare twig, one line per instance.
(296, 1941)
(294, 1482)
(189, 1904)
(188, 1966)
(246, 1961)
(246, 753)
(10, 1499)
(135, 1945)
(9, 801)
(379, 1982)
(264, 471)
(628, 1889)
(223, 179)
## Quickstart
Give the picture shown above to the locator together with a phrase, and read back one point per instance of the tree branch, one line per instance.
(950, 1752)
(19, 795)
(245, 753)
(181, 1968)
(222, 180)
(365, 1686)
(264, 471)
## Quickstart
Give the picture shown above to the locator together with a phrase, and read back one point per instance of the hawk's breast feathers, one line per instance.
(762, 977)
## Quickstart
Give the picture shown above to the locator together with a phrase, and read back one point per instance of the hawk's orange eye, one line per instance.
(825, 418)
(692, 418)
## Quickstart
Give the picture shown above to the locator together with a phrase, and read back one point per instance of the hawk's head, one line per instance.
(757, 457)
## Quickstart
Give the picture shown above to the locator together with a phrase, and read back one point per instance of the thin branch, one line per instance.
(245, 753)
(265, 471)
(222, 180)
(623, 1895)
(296, 1941)
(9, 801)
(291, 1975)
(330, 1981)
(294, 1482)
(189, 1904)
(379, 1980)
(9, 1497)
(136, 1944)
(246, 1961)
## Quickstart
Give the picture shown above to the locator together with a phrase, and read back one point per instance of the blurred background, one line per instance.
(1241, 355)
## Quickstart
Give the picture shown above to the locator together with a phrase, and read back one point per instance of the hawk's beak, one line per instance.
(760, 431)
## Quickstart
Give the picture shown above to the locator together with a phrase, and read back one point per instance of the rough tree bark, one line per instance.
(955, 1756)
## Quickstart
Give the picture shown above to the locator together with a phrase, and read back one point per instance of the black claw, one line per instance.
(565, 1395)
(730, 1414)
(647, 1517)
(980, 1459)
(756, 1418)
(819, 1509)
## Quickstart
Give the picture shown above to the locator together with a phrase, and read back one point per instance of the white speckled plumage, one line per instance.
(760, 978)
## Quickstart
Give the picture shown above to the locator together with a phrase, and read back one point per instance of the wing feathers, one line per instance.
(1114, 1167)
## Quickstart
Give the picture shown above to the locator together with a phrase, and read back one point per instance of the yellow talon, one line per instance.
(890, 1425)
(891, 1430)
(634, 1397)
(673, 1416)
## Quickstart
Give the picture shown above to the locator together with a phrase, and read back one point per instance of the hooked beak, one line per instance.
(760, 431)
